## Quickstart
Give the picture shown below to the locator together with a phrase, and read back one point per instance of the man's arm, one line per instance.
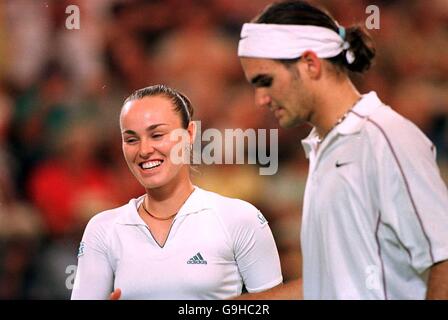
(438, 282)
(289, 291)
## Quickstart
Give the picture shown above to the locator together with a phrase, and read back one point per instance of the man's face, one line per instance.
(280, 89)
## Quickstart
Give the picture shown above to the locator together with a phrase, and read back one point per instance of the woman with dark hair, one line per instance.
(374, 221)
(177, 241)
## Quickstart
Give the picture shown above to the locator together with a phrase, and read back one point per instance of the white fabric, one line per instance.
(373, 226)
(279, 41)
(231, 235)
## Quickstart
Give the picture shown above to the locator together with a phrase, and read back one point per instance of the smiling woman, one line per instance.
(176, 241)
(146, 125)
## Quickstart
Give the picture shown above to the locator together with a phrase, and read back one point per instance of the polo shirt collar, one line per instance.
(352, 123)
(197, 201)
(364, 108)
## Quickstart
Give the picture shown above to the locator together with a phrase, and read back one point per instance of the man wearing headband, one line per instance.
(375, 213)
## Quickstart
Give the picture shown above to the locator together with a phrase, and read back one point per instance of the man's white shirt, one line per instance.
(215, 245)
(375, 214)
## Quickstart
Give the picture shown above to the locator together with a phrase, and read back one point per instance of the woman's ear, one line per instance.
(192, 129)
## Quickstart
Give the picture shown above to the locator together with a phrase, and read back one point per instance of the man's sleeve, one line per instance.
(413, 197)
(94, 276)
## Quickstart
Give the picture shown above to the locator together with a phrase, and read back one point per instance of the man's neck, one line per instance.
(334, 102)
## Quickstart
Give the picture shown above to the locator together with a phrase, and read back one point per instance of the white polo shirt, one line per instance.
(215, 244)
(375, 214)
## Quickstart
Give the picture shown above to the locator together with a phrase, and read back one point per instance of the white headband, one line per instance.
(281, 41)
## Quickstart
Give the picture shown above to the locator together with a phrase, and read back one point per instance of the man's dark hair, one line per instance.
(302, 13)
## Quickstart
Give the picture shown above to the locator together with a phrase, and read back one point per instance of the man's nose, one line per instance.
(262, 98)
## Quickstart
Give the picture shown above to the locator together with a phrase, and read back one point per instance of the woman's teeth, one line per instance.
(151, 164)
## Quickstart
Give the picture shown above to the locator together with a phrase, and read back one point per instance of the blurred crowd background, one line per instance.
(61, 91)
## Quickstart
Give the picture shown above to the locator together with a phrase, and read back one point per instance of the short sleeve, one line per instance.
(94, 275)
(254, 247)
(413, 196)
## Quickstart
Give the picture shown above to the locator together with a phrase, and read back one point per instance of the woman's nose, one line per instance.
(146, 149)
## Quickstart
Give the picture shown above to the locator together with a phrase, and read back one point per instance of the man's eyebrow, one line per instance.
(150, 128)
(259, 78)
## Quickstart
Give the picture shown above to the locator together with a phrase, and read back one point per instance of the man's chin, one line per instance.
(286, 124)
(290, 123)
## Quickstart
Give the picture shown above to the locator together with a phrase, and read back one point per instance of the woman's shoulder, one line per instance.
(110, 217)
(228, 203)
(234, 213)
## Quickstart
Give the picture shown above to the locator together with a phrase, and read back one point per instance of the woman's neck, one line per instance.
(167, 200)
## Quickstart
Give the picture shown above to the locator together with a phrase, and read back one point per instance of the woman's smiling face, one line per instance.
(146, 126)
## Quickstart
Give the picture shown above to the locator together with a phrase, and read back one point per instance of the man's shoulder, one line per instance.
(391, 134)
(388, 124)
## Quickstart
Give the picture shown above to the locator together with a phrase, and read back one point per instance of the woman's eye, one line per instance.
(157, 135)
(130, 140)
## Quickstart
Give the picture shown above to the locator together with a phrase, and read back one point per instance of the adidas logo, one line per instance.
(197, 259)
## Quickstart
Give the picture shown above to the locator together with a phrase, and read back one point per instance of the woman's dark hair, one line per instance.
(182, 104)
(302, 13)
